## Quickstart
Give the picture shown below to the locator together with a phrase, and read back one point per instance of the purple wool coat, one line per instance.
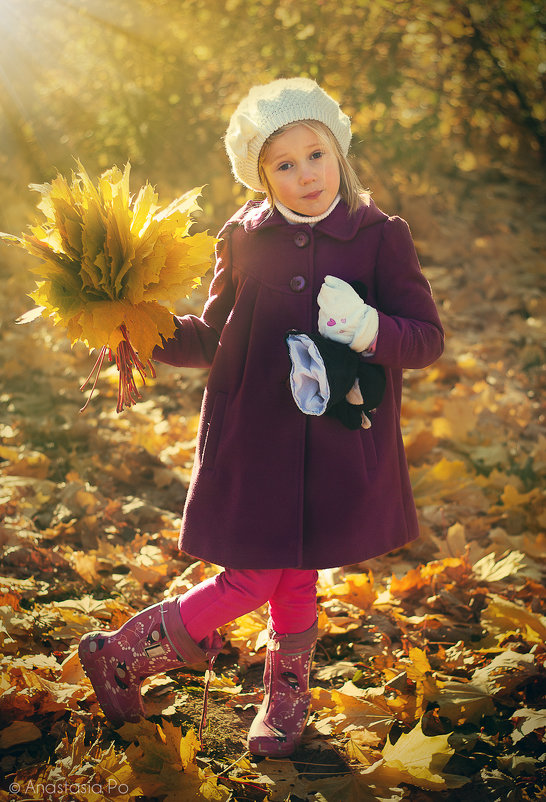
(272, 487)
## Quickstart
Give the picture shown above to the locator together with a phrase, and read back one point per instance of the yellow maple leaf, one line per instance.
(209, 788)
(461, 701)
(513, 498)
(502, 615)
(348, 709)
(357, 589)
(419, 759)
(163, 760)
(419, 663)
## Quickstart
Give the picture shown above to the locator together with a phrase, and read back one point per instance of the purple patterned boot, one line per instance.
(277, 729)
(152, 641)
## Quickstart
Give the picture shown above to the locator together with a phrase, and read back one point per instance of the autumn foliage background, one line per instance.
(429, 678)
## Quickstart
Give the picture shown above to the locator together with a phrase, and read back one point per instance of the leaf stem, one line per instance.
(127, 360)
(96, 367)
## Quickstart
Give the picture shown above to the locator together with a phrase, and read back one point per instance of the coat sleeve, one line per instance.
(196, 338)
(410, 332)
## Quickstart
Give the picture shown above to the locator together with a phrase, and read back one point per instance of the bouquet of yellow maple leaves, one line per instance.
(109, 262)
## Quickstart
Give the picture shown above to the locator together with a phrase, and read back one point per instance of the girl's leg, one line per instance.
(224, 597)
(281, 719)
(293, 605)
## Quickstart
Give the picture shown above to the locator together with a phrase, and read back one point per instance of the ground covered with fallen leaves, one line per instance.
(429, 680)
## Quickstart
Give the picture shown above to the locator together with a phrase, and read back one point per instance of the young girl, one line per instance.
(276, 493)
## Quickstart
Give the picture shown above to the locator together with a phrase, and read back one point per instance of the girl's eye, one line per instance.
(284, 166)
(317, 154)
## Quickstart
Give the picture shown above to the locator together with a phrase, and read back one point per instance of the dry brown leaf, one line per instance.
(18, 732)
(506, 672)
(527, 721)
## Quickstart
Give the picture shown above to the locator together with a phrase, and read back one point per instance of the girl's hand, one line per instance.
(344, 317)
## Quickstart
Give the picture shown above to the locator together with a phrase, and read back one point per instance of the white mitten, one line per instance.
(344, 317)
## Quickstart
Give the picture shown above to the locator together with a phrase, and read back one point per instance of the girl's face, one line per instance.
(302, 171)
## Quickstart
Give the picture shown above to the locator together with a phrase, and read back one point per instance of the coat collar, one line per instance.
(339, 225)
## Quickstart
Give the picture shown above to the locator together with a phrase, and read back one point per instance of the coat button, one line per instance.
(297, 283)
(301, 239)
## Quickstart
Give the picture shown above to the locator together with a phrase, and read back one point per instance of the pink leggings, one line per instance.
(291, 594)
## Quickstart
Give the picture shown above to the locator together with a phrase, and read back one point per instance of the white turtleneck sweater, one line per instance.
(293, 218)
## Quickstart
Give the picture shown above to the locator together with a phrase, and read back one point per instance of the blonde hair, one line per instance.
(350, 188)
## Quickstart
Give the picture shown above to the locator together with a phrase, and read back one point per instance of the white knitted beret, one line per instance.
(267, 108)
